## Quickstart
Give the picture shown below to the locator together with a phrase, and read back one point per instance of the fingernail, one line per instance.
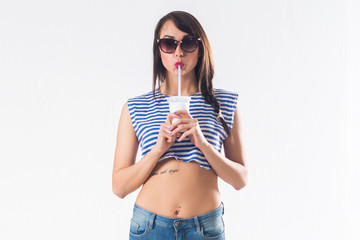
(175, 112)
(169, 127)
(178, 140)
(180, 116)
(170, 133)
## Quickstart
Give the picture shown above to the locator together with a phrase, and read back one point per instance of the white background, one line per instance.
(67, 68)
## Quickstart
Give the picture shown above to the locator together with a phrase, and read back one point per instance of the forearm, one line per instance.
(230, 171)
(129, 179)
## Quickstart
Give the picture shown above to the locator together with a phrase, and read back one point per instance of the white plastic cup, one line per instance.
(178, 103)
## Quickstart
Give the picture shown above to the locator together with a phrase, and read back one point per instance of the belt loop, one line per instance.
(196, 219)
(151, 222)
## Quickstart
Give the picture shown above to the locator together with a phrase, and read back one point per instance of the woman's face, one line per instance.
(169, 30)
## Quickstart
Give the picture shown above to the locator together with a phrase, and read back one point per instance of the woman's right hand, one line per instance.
(165, 140)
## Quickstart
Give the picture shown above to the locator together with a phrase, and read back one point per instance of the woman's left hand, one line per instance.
(191, 127)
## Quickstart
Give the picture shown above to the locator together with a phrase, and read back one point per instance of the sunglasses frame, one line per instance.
(177, 44)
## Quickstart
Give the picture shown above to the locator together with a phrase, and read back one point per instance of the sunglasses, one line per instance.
(168, 45)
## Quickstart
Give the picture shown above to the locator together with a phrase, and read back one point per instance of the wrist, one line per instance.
(205, 146)
(156, 151)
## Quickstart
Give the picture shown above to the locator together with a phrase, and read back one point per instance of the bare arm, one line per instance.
(129, 179)
(231, 168)
(127, 175)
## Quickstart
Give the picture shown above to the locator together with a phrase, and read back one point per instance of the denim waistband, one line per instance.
(185, 222)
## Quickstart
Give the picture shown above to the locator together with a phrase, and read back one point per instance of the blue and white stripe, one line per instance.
(147, 114)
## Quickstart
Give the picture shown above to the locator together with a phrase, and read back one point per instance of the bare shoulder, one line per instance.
(127, 142)
(234, 143)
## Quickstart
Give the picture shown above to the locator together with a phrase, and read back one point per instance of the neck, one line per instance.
(188, 85)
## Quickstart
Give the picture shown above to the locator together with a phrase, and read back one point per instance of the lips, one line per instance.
(179, 63)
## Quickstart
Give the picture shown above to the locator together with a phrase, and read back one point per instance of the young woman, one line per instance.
(181, 162)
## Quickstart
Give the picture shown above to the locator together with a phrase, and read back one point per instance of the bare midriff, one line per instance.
(177, 189)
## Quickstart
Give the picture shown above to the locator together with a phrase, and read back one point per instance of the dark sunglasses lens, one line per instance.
(167, 45)
(189, 45)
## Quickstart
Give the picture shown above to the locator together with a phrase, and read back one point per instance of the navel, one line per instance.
(177, 211)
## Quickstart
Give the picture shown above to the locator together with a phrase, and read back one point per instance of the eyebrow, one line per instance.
(188, 35)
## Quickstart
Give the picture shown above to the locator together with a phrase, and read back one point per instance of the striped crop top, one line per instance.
(147, 114)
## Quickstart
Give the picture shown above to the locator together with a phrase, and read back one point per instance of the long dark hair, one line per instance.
(204, 70)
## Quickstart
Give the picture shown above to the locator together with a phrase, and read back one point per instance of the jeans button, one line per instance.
(177, 224)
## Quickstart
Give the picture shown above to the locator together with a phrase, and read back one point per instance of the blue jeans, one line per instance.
(149, 226)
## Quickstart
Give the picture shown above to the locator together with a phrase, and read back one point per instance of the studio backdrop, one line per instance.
(67, 68)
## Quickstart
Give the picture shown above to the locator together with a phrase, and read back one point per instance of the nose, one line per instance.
(178, 51)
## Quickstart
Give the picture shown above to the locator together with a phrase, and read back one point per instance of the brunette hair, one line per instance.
(204, 70)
